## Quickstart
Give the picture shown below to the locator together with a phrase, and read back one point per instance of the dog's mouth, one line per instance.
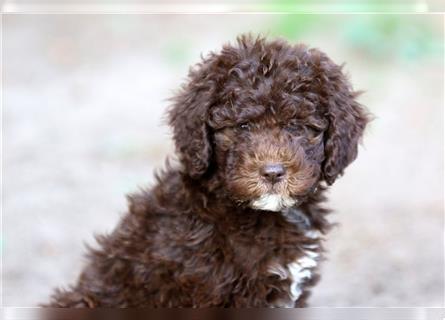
(273, 202)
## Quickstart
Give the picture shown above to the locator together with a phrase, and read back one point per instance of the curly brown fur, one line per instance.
(261, 129)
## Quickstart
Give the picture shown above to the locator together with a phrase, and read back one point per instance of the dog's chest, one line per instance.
(300, 271)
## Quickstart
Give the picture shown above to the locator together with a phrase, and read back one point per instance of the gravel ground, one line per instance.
(83, 104)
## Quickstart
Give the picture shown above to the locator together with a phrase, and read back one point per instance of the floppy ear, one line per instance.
(188, 116)
(347, 121)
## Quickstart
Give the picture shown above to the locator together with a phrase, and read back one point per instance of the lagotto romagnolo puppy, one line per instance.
(261, 129)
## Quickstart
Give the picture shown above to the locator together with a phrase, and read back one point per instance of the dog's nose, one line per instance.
(273, 172)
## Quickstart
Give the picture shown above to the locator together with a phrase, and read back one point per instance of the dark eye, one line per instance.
(293, 127)
(244, 126)
(299, 128)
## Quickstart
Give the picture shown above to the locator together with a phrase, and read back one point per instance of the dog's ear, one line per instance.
(347, 121)
(188, 116)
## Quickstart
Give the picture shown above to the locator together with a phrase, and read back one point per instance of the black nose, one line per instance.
(273, 172)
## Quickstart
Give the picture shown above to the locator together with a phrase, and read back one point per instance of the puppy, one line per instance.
(261, 129)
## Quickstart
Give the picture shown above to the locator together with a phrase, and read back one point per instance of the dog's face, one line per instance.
(272, 161)
(269, 120)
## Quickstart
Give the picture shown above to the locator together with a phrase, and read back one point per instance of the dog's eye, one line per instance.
(293, 127)
(298, 128)
(244, 126)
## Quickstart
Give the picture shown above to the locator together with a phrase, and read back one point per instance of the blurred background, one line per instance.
(83, 104)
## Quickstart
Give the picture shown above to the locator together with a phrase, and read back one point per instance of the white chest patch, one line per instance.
(298, 272)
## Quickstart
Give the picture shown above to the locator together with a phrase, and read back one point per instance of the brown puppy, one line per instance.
(261, 129)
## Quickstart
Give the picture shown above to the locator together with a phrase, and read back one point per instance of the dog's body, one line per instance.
(174, 250)
(260, 130)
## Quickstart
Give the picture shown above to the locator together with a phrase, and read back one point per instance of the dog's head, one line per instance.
(270, 120)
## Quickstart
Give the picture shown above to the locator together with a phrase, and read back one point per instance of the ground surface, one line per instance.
(83, 103)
